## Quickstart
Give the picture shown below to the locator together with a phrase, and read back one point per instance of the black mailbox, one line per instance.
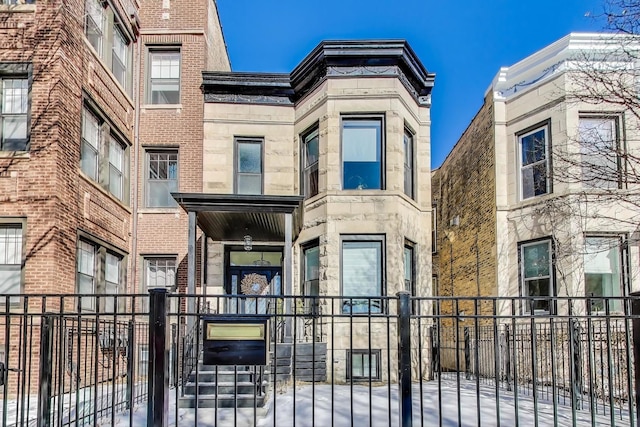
(235, 340)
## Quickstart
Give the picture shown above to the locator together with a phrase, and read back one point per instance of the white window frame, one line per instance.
(95, 20)
(598, 162)
(594, 260)
(366, 305)
(545, 127)
(160, 76)
(148, 262)
(121, 51)
(99, 273)
(525, 281)
(117, 165)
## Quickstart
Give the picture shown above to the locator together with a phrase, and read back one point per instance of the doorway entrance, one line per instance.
(251, 275)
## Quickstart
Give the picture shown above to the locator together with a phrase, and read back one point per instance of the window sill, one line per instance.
(18, 8)
(175, 210)
(14, 155)
(97, 186)
(161, 107)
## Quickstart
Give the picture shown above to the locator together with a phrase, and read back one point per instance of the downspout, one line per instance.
(136, 160)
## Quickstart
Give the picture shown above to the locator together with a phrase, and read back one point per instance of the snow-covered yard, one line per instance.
(342, 405)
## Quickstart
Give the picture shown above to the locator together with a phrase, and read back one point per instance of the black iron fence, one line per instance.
(397, 361)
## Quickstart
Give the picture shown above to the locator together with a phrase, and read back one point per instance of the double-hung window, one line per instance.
(99, 271)
(14, 114)
(311, 279)
(310, 153)
(164, 76)
(95, 19)
(533, 147)
(362, 273)
(120, 57)
(362, 153)
(102, 151)
(248, 177)
(10, 259)
(536, 273)
(598, 138)
(160, 272)
(89, 152)
(409, 272)
(162, 178)
(603, 271)
(409, 189)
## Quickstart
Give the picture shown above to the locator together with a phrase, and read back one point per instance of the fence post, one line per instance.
(506, 353)
(130, 359)
(45, 372)
(467, 353)
(576, 361)
(158, 403)
(404, 358)
(635, 322)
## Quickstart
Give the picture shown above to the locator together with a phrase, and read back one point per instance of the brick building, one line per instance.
(553, 211)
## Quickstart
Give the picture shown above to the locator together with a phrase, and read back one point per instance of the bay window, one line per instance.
(536, 273)
(362, 274)
(362, 153)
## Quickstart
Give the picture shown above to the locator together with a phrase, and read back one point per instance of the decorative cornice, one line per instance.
(330, 59)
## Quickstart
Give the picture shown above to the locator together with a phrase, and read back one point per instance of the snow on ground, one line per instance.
(341, 405)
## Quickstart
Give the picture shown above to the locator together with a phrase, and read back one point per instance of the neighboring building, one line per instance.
(537, 197)
(324, 175)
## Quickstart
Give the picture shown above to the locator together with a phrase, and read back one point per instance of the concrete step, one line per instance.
(222, 401)
(211, 388)
(226, 376)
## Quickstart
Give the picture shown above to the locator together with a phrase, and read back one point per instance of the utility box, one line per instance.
(235, 340)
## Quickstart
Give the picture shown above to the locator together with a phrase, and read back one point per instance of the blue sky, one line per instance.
(464, 42)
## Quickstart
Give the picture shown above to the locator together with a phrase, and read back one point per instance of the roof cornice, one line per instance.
(330, 59)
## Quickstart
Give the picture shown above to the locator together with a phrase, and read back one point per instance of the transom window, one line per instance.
(362, 274)
(162, 178)
(13, 114)
(164, 76)
(310, 143)
(536, 272)
(248, 168)
(10, 259)
(362, 166)
(534, 162)
(603, 271)
(599, 152)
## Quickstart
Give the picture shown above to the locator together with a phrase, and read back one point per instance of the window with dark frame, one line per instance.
(536, 272)
(408, 164)
(92, 258)
(310, 144)
(603, 272)
(10, 260)
(599, 152)
(363, 365)
(409, 273)
(311, 279)
(534, 162)
(362, 153)
(164, 76)
(248, 168)
(362, 272)
(14, 112)
(162, 178)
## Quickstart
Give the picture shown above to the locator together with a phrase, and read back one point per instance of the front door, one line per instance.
(249, 283)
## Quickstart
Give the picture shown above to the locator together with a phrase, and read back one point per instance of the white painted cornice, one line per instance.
(567, 53)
